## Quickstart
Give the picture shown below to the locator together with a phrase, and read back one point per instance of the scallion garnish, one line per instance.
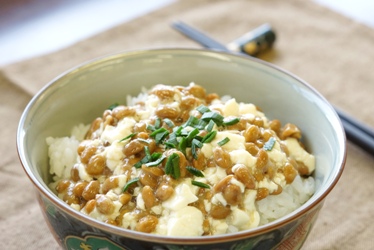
(195, 144)
(150, 127)
(144, 140)
(200, 184)
(156, 162)
(183, 145)
(192, 135)
(268, 146)
(159, 135)
(156, 156)
(201, 124)
(195, 171)
(147, 153)
(217, 118)
(202, 109)
(129, 183)
(231, 121)
(111, 107)
(169, 123)
(169, 144)
(148, 158)
(209, 137)
(141, 162)
(210, 126)
(223, 141)
(192, 122)
(172, 166)
(128, 137)
(157, 123)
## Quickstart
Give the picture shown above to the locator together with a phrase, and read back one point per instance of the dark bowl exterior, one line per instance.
(72, 233)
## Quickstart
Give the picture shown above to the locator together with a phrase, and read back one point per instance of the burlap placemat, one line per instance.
(331, 52)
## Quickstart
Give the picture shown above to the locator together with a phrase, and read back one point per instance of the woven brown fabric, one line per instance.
(331, 52)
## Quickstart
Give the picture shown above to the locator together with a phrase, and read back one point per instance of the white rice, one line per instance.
(292, 197)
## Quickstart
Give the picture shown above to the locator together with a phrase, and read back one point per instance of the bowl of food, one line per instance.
(180, 149)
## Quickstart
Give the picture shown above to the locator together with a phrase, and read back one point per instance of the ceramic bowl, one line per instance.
(81, 94)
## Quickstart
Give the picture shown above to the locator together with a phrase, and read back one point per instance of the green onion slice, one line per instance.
(195, 171)
(268, 146)
(157, 123)
(195, 144)
(150, 127)
(231, 121)
(203, 109)
(223, 141)
(200, 184)
(159, 134)
(129, 183)
(192, 122)
(172, 166)
(210, 126)
(128, 137)
(217, 118)
(209, 137)
(183, 145)
(156, 162)
(191, 135)
(169, 123)
(111, 107)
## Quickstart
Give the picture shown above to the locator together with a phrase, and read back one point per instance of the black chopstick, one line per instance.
(199, 36)
(357, 132)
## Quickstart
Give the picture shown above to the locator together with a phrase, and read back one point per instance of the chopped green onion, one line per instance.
(195, 144)
(144, 140)
(231, 122)
(183, 145)
(169, 145)
(147, 158)
(223, 141)
(217, 118)
(172, 142)
(159, 134)
(111, 107)
(268, 146)
(200, 184)
(172, 166)
(195, 171)
(157, 123)
(141, 162)
(150, 127)
(155, 156)
(202, 109)
(209, 137)
(177, 171)
(128, 137)
(156, 162)
(169, 123)
(129, 183)
(192, 134)
(201, 124)
(177, 130)
(147, 153)
(210, 126)
(157, 131)
(198, 143)
(192, 122)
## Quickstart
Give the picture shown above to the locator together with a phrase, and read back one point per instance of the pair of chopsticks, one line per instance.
(356, 131)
